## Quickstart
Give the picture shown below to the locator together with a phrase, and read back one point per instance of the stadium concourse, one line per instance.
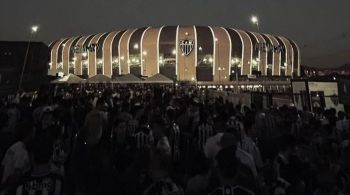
(161, 139)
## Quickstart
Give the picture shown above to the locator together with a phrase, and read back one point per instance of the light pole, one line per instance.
(33, 29)
(255, 20)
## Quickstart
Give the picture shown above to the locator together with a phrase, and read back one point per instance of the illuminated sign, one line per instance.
(267, 47)
(86, 48)
(186, 46)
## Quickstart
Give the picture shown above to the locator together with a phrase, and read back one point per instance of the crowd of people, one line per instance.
(161, 140)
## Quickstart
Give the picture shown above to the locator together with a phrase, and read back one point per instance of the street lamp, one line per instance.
(136, 46)
(34, 29)
(255, 21)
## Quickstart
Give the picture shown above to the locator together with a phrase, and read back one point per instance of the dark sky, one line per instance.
(320, 27)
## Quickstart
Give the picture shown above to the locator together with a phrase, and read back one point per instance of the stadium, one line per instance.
(182, 53)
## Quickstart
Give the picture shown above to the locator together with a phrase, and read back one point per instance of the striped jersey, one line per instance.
(45, 184)
(143, 139)
(204, 131)
(231, 190)
(132, 126)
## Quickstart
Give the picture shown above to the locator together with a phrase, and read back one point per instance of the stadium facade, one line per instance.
(185, 53)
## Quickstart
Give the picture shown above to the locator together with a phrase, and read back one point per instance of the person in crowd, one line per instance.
(41, 180)
(173, 133)
(161, 182)
(16, 162)
(91, 164)
(13, 117)
(203, 131)
(143, 135)
(197, 185)
(227, 171)
(164, 139)
(95, 123)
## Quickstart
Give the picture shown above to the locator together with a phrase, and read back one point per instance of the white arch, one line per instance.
(141, 48)
(242, 59)
(128, 49)
(81, 61)
(251, 52)
(98, 39)
(286, 55)
(88, 54)
(110, 49)
(119, 59)
(230, 51)
(160, 30)
(279, 67)
(176, 45)
(58, 47)
(253, 46)
(214, 49)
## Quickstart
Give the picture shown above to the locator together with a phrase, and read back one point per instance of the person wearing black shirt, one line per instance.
(227, 165)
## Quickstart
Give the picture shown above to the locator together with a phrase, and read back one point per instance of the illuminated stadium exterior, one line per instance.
(185, 53)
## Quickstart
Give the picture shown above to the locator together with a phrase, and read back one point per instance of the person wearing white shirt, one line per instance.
(16, 161)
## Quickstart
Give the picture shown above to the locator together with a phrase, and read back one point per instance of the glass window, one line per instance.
(85, 56)
(71, 68)
(269, 55)
(72, 57)
(99, 54)
(236, 54)
(205, 50)
(255, 54)
(115, 54)
(135, 52)
(167, 52)
(60, 56)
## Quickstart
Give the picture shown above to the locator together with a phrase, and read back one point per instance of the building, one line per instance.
(184, 53)
(12, 61)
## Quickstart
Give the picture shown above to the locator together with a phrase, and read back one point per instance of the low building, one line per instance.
(12, 62)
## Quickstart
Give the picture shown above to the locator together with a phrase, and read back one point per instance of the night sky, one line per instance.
(320, 27)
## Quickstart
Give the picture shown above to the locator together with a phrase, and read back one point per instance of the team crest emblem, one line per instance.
(186, 46)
